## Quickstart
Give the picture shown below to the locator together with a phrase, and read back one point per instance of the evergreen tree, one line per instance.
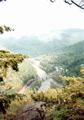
(8, 59)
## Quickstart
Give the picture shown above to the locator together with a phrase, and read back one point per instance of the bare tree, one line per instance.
(78, 3)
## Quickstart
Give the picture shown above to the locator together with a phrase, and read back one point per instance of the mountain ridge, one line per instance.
(43, 44)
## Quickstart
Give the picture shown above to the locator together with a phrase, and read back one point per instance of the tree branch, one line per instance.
(5, 28)
(2, 0)
(52, 0)
(70, 2)
(78, 5)
(67, 2)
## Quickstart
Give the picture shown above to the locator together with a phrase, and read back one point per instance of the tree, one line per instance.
(8, 59)
(5, 28)
(79, 3)
(66, 103)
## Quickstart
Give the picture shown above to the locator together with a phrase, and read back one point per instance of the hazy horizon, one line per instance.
(29, 17)
(55, 32)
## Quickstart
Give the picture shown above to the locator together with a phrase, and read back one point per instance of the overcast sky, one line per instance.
(39, 16)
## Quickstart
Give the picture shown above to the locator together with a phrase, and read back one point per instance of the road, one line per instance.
(22, 90)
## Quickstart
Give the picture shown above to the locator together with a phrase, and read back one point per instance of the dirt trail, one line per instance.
(22, 90)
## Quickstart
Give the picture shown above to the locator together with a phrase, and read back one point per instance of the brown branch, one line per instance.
(78, 5)
(73, 2)
(67, 2)
(73, 94)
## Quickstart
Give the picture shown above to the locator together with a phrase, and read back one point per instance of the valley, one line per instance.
(46, 69)
(53, 78)
(43, 76)
(41, 60)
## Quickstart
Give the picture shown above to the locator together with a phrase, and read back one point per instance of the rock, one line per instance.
(31, 111)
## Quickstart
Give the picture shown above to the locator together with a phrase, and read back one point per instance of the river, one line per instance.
(46, 80)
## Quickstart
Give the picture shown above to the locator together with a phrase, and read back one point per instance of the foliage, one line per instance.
(35, 85)
(54, 86)
(8, 59)
(63, 103)
(82, 69)
(72, 59)
(60, 112)
(48, 63)
(69, 59)
(67, 102)
(27, 71)
(67, 112)
(57, 79)
(18, 79)
(64, 93)
(6, 99)
(5, 28)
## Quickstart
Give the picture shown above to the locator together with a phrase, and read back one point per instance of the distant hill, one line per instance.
(68, 36)
(44, 43)
(31, 46)
(75, 49)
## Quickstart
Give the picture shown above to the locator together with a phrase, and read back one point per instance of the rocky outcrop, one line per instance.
(31, 111)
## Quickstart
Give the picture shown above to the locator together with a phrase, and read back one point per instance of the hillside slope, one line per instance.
(69, 58)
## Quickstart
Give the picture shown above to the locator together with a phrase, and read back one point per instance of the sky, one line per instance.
(39, 16)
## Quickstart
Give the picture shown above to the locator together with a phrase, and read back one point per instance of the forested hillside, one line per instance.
(67, 60)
